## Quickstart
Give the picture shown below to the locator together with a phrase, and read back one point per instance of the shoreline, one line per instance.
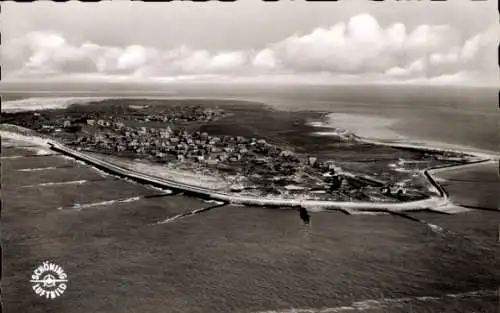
(47, 103)
(392, 137)
(247, 200)
(431, 203)
(437, 204)
(404, 141)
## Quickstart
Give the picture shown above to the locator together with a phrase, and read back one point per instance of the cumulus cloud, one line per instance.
(359, 46)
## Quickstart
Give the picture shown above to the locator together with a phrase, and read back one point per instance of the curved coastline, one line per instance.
(431, 203)
(438, 204)
(378, 130)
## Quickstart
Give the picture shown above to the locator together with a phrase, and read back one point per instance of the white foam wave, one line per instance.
(435, 228)
(373, 304)
(451, 209)
(43, 152)
(163, 190)
(130, 199)
(36, 169)
(105, 174)
(39, 152)
(73, 182)
(79, 207)
(213, 202)
(102, 173)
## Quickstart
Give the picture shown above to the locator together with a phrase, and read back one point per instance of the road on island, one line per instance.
(431, 203)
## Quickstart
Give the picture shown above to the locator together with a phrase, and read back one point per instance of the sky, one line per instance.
(356, 41)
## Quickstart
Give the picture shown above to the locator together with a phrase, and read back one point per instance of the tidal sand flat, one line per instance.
(474, 185)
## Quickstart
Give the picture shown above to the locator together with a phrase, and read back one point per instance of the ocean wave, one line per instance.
(13, 156)
(72, 182)
(79, 207)
(451, 209)
(43, 152)
(106, 174)
(374, 304)
(37, 169)
(213, 202)
(163, 190)
(435, 228)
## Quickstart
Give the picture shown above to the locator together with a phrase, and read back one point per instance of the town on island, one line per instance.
(170, 135)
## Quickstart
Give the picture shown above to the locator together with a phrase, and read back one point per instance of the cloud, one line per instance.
(358, 47)
(132, 57)
(415, 69)
(41, 53)
(265, 60)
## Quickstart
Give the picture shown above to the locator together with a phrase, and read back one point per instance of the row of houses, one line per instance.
(167, 144)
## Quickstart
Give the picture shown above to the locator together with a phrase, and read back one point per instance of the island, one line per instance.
(172, 139)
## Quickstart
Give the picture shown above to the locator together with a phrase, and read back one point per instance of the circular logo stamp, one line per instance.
(49, 280)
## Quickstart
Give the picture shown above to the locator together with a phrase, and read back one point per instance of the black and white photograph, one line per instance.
(250, 156)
